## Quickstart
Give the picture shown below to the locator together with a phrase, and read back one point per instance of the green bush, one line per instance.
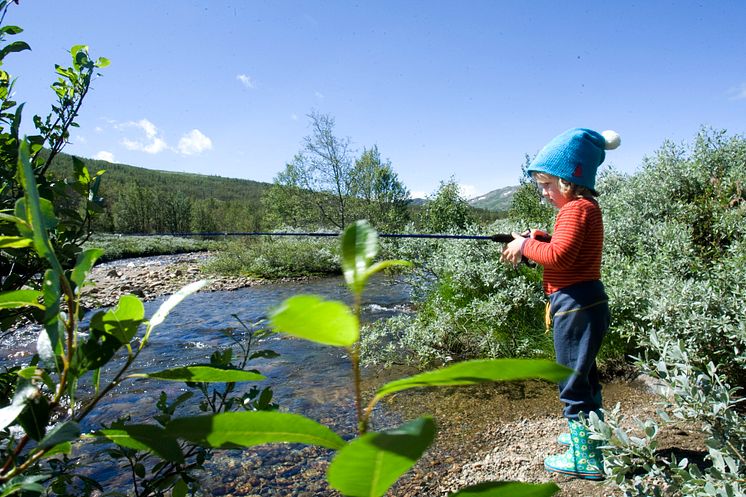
(468, 305)
(692, 397)
(126, 246)
(675, 248)
(277, 257)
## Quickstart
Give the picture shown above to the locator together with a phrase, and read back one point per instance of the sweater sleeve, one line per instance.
(562, 250)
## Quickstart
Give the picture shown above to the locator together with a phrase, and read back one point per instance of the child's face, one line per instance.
(549, 188)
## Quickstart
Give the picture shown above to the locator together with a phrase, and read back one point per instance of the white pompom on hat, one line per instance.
(575, 155)
(613, 140)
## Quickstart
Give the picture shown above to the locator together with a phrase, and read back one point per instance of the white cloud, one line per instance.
(468, 191)
(246, 80)
(738, 93)
(153, 143)
(194, 142)
(418, 194)
(104, 155)
(319, 95)
(294, 117)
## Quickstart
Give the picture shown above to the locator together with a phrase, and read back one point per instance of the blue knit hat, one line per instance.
(575, 155)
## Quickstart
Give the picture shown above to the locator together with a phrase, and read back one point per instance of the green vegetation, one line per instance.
(139, 200)
(43, 406)
(75, 200)
(324, 186)
(673, 263)
(126, 246)
(277, 257)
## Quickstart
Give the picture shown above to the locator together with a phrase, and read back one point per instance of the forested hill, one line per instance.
(195, 186)
(140, 200)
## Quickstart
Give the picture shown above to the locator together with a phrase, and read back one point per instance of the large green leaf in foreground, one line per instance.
(203, 374)
(313, 318)
(369, 465)
(480, 371)
(244, 429)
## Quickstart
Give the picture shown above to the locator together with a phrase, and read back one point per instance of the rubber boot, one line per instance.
(582, 460)
(564, 438)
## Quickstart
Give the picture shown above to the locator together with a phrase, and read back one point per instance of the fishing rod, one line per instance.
(498, 238)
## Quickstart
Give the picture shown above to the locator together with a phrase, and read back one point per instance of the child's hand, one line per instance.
(512, 252)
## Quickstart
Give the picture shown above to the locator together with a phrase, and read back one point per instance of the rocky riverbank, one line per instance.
(486, 432)
(152, 277)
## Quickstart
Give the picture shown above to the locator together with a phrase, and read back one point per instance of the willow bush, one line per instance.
(675, 250)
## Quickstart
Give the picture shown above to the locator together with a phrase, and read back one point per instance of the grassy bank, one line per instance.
(128, 246)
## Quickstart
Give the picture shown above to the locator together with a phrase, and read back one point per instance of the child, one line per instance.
(565, 172)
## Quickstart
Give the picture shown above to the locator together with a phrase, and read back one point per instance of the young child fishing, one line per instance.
(565, 173)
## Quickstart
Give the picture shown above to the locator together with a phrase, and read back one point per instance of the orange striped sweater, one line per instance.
(574, 253)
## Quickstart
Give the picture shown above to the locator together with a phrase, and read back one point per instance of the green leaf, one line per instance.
(33, 203)
(7, 242)
(23, 483)
(52, 323)
(48, 218)
(245, 429)
(509, 489)
(35, 417)
(10, 413)
(369, 465)
(84, 263)
(205, 374)
(173, 301)
(359, 247)
(122, 321)
(180, 489)
(16, 46)
(63, 432)
(20, 298)
(151, 438)
(323, 321)
(480, 371)
(380, 266)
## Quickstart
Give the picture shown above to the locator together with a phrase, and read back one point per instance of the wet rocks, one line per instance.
(151, 277)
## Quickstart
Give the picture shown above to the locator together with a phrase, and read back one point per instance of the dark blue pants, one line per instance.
(580, 314)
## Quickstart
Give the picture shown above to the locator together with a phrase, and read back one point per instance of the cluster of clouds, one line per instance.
(150, 140)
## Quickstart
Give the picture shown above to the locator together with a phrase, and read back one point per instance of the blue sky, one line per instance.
(459, 89)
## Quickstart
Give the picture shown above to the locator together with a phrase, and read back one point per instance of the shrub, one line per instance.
(692, 396)
(277, 257)
(674, 250)
(125, 246)
(468, 305)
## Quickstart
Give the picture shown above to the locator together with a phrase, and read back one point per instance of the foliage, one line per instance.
(468, 306)
(127, 246)
(371, 463)
(134, 197)
(691, 397)
(76, 199)
(324, 186)
(216, 385)
(527, 206)
(377, 193)
(675, 248)
(446, 211)
(674, 255)
(276, 257)
(367, 465)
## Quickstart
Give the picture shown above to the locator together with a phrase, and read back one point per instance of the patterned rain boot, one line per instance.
(564, 438)
(583, 458)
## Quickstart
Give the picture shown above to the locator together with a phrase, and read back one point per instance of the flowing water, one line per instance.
(307, 378)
